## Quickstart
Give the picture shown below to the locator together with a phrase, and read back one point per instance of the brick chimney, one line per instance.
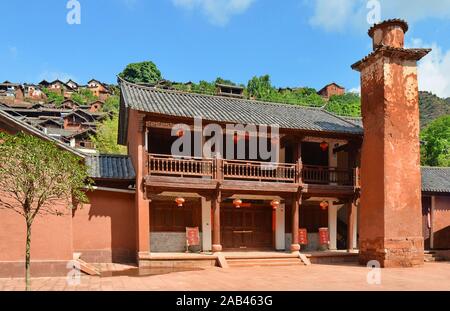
(390, 205)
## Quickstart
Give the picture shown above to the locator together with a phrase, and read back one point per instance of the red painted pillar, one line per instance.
(296, 202)
(217, 245)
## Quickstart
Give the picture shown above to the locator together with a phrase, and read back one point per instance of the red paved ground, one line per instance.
(434, 276)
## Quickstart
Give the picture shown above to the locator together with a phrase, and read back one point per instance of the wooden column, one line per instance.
(141, 203)
(217, 245)
(351, 224)
(296, 202)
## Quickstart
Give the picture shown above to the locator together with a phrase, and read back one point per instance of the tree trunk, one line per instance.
(28, 257)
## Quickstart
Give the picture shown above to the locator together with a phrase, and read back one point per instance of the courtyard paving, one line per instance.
(348, 277)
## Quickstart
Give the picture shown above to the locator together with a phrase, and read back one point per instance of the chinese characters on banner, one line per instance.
(303, 236)
(192, 236)
(324, 236)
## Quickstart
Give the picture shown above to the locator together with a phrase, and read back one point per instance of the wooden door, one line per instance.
(246, 228)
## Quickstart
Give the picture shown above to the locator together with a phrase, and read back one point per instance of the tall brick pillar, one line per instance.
(390, 212)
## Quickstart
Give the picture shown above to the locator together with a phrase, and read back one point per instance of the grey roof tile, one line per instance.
(436, 179)
(111, 167)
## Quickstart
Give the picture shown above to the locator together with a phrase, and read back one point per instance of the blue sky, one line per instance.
(297, 42)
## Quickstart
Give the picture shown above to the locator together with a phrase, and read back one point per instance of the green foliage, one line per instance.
(36, 173)
(432, 107)
(436, 136)
(56, 98)
(261, 88)
(144, 72)
(106, 139)
(348, 104)
(84, 97)
(115, 90)
(112, 104)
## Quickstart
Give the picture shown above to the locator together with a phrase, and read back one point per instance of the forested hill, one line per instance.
(432, 107)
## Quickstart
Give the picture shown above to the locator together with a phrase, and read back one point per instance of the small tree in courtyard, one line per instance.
(38, 179)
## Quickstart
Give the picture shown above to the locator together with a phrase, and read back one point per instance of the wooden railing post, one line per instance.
(299, 173)
(356, 177)
(219, 167)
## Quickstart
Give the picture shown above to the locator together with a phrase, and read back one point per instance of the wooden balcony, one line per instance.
(249, 171)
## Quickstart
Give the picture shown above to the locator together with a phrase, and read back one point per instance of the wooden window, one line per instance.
(165, 216)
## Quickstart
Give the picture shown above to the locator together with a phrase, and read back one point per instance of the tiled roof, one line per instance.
(232, 110)
(355, 120)
(111, 167)
(412, 54)
(21, 125)
(436, 179)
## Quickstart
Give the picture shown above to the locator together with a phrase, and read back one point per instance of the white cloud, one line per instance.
(332, 15)
(434, 70)
(218, 12)
(355, 90)
(337, 15)
(54, 75)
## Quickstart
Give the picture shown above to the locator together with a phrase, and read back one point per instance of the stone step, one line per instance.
(265, 262)
(88, 269)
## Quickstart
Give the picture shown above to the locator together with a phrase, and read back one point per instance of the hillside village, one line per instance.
(58, 108)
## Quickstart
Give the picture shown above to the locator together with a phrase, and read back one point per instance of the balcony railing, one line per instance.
(163, 165)
(220, 169)
(259, 171)
(326, 175)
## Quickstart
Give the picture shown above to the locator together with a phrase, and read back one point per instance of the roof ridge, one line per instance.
(269, 103)
(436, 167)
(111, 155)
(342, 118)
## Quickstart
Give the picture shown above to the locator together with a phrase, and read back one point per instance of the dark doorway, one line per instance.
(312, 154)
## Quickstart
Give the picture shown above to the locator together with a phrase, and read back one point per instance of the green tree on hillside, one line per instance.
(54, 97)
(83, 97)
(260, 87)
(112, 104)
(105, 140)
(144, 72)
(348, 104)
(436, 138)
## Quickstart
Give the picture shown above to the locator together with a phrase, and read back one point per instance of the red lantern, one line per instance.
(180, 202)
(324, 146)
(237, 203)
(275, 204)
(324, 205)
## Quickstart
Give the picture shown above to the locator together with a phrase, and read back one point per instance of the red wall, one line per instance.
(104, 230)
(51, 244)
(441, 222)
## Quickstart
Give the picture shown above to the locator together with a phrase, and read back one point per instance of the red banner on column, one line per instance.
(324, 236)
(303, 236)
(193, 236)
